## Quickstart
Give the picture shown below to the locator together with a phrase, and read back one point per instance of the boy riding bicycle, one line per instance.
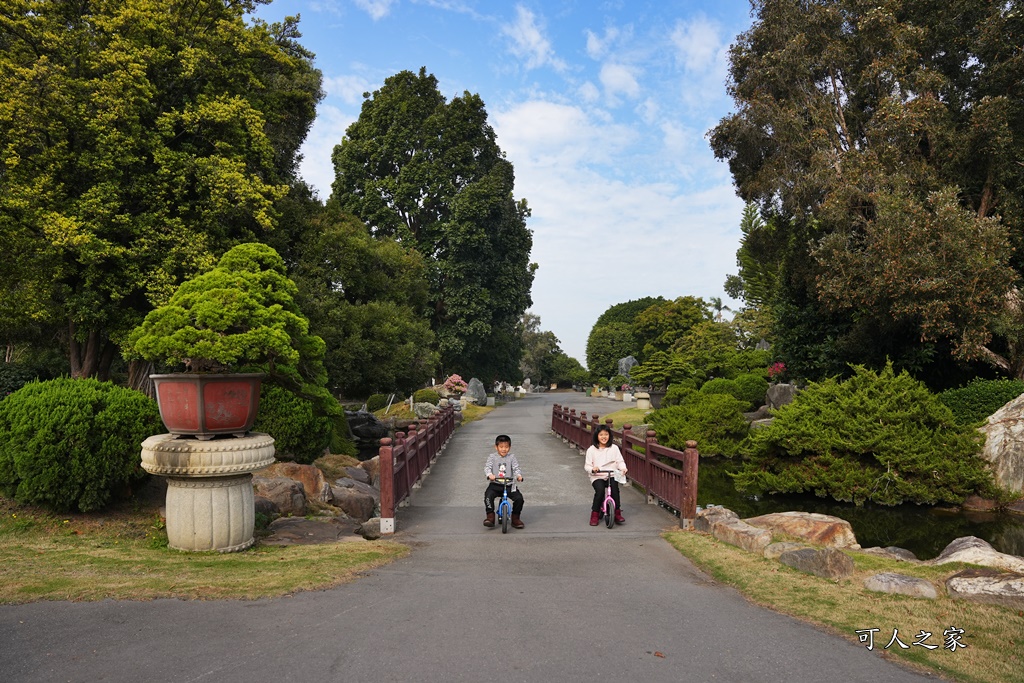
(502, 464)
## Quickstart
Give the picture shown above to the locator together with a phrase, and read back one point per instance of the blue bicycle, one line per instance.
(504, 508)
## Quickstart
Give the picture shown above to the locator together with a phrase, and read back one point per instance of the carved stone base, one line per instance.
(210, 503)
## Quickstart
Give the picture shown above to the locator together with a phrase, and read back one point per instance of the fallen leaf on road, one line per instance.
(659, 654)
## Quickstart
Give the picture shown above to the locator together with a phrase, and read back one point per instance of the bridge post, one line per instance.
(688, 499)
(387, 488)
(650, 439)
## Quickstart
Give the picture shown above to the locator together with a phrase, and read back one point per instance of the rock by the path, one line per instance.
(1004, 445)
(893, 553)
(977, 551)
(989, 586)
(707, 517)
(287, 495)
(302, 531)
(356, 504)
(359, 486)
(311, 477)
(359, 474)
(370, 529)
(828, 563)
(372, 468)
(901, 584)
(265, 506)
(809, 526)
(425, 410)
(772, 551)
(726, 526)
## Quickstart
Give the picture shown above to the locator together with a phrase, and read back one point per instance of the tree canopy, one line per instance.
(881, 142)
(429, 173)
(139, 141)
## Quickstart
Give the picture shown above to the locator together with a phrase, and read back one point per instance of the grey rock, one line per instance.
(740, 534)
(812, 527)
(370, 529)
(265, 506)
(287, 495)
(893, 553)
(901, 584)
(707, 517)
(626, 365)
(359, 474)
(828, 563)
(988, 586)
(354, 503)
(1004, 445)
(424, 410)
(347, 483)
(762, 413)
(780, 394)
(761, 424)
(974, 550)
(300, 531)
(475, 392)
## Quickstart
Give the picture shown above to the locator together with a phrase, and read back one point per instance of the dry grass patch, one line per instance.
(994, 635)
(627, 416)
(474, 412)
(333, 466)
(123, 555)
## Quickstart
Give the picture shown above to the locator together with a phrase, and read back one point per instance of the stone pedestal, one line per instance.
(643, 400)
(210, 502)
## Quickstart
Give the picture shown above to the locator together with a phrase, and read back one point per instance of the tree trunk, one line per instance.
(92, 358)
(138, 377)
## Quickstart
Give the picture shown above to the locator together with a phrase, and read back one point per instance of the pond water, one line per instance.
(923, 530)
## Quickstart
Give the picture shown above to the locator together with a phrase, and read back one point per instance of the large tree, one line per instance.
(138, 141)
(429, 173)
(883, 142)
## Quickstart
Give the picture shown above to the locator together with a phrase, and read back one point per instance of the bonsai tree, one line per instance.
(239, 317)
(662, 369)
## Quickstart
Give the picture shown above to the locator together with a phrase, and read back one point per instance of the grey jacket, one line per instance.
(502, 467)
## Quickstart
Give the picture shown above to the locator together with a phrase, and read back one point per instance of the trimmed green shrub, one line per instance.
(426, 396)
(752, 388)
(299, 434)
(720, 385)
(377, 401)
(974, 403)
(73, 443)
(879, 437)
(678, 394)
(714, 421)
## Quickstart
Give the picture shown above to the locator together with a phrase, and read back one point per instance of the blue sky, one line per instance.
(602, 108)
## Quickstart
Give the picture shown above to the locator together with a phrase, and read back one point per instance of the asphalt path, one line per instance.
(558, 600)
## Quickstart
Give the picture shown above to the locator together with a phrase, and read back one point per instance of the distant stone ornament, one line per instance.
(476, 393)
(626, 364)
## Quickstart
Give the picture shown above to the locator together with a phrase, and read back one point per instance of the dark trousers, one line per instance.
(494, 490)
(599, 486)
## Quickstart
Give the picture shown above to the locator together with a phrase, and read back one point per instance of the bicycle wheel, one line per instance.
(506, 514)
(609, 513)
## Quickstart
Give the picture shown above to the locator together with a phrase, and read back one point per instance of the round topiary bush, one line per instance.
(376, 402)
(426, 396)
(678, 394)
(714, 421)
(752, 388)
(972, 404)
(299, 434)
(73, 443)
(720, 385)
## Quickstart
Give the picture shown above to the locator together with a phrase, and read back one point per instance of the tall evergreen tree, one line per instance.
(429, 173)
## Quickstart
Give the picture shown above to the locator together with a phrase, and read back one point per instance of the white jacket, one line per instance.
(603, 459)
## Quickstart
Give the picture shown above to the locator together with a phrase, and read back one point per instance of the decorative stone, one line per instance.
(314, 485)
(780, 394)
(742, 535)
(989, 586)
(707, 517)
(359, 474)
(210, 502)
(370, 529)
(828, 563)
(901, 584)
(1004, 445)
(809, 526)
(354, 503)
(287, 495)
(974, 550)
(893, 553)
(475, 392)
(643, 400)
(301, 531)
(424, 410)
(761, 424)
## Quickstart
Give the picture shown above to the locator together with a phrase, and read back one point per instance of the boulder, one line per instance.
(707, 517)
(979, 504)
(347, 483)
(301, 531)
(772, 551)
(286, 494)
(761, 424)
(901, 584)
(809, 526)
(828, 563)
(425, 410)
(974, 550)
(1004, 445)
(311, 477)
(779, 395)
(359, 474)
(372, 467)
(265, 506)
(370, 529)
(475, 392)
(1016, 506)
(726, 526)
(893, 553)
(358, 505)
(762, 413)
(989, 586)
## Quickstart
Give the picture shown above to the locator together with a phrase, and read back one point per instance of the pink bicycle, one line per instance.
(608, 508)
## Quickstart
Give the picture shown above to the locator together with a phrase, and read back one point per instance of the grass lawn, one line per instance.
(994, 635)
(627, 416)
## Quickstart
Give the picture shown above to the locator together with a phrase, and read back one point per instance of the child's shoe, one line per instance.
(516, 522)
(619, 519)
(490, 519)
(594, 518)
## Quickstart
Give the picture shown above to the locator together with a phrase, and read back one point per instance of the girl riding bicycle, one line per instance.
(604, 455)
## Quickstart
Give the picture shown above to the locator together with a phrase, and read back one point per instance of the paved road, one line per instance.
(558, 600)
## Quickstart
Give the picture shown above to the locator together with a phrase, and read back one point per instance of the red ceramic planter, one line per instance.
(207, 405)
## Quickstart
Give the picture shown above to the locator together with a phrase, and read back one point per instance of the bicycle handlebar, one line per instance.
(505, 480)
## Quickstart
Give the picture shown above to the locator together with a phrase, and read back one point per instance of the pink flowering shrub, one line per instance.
(776, 370)
(455, 384)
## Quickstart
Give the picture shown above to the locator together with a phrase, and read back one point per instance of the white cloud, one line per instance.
(348, 88)
(619, 79)
(698, 45)
(589, 92)
(328, 129)
(597, 46)
(377, 9)
(529, 42)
